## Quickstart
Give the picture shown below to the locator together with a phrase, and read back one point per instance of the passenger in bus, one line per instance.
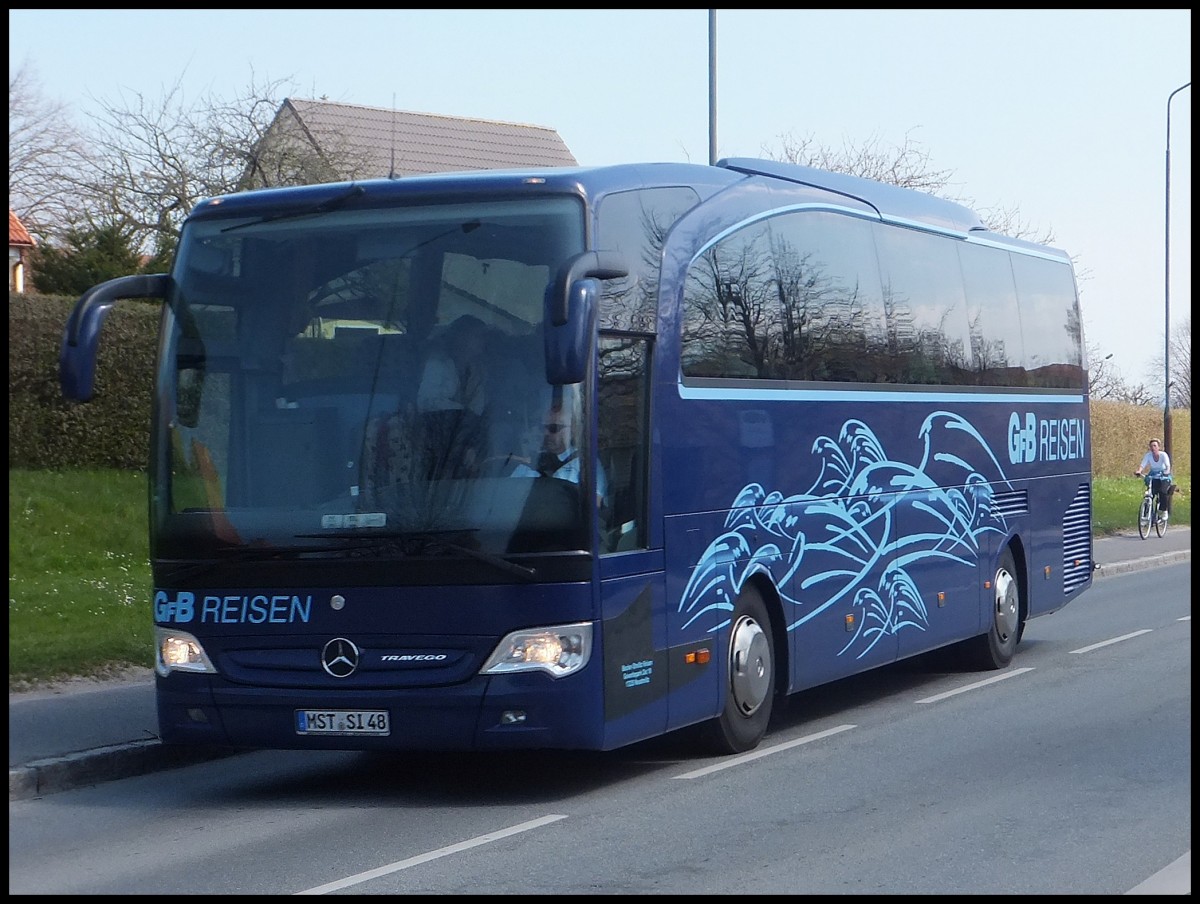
(452, 399)
(454, 377)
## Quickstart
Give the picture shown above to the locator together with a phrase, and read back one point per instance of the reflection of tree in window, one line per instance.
(725, 308)
(925, 307)
(806, 295)
(622, 408)
(830, 289)
(636, 223)
(1045, 291)
(993, 318)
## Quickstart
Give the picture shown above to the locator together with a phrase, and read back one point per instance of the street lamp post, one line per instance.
(712, 87)
(1167, 285)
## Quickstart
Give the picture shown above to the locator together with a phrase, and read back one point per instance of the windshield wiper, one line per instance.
(324, 207)
(227, 554)
(415, 543)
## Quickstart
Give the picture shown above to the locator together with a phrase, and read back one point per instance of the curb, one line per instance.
(1166, 558)
(90, 767)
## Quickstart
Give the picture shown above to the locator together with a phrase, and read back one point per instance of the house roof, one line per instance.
(18, 235)
(400, 143)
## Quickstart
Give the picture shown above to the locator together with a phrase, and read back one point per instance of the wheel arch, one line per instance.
(1021, 561)
(773, 600)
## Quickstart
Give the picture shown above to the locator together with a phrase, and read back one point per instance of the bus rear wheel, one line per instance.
(750, 679)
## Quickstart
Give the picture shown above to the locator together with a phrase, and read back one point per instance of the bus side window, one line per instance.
(623, 413)
(624, 487)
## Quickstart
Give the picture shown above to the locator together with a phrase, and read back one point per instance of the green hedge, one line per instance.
(48, 432)
(112, 431)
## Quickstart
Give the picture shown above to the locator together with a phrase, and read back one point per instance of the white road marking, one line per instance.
(432, 855)
(765, 751)
(1105, 643)
(970, 687)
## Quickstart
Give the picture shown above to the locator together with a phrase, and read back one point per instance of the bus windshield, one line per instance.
(372, 374)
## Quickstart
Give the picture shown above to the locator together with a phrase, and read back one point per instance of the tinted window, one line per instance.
(1054, 346)
(820, 296)
(728, 312)
(636, 223)
(796, 299)
(993, 317)
(924, 307)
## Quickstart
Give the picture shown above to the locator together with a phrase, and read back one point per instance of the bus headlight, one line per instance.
(178, 651)
(560, 650)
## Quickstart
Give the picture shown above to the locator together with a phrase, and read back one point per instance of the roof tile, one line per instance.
(17, 233)
(402, 143)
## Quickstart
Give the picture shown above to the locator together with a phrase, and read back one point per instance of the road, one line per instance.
(1068, 773)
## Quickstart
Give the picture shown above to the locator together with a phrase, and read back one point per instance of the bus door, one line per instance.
(632, 592)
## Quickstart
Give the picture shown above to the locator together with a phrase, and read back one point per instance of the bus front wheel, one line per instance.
(749, 681)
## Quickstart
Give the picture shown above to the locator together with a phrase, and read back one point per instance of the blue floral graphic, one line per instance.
(864, 515)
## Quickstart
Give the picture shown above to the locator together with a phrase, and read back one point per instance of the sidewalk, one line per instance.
(84, 732)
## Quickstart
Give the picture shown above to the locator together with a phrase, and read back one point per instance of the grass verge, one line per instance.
(1115, 502)
(79, 574)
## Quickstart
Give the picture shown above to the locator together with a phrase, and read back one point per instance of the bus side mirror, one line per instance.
(81, 335)
(570, 312)
(569, 345)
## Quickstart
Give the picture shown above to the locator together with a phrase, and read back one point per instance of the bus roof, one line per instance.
(891, 202)
(584, 180)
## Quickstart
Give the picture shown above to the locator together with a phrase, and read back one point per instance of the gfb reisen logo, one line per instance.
(1031, 438)
(340, 658)
(185, 608)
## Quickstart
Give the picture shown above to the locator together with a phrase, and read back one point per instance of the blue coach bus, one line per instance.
(572, 458)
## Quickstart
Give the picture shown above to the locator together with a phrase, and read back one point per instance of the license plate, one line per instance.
(342, 722)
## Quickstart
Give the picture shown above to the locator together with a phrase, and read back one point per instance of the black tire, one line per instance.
(1160, 527)
(995, 648)
(1145, 517)
(749, 679)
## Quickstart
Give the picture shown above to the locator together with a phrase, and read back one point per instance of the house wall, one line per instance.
(16, 270)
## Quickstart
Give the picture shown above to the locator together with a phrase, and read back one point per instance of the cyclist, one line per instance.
(1156, 469)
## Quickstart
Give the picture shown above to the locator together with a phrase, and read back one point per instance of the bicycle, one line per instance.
(1148, 511)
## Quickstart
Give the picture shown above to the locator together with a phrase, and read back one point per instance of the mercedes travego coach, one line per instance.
(571, 458)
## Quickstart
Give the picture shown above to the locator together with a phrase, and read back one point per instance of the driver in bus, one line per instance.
(558, 455)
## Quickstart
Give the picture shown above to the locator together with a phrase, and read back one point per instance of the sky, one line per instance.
(1060, 116)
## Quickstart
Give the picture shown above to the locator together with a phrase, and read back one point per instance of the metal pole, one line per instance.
(712, 87)
(1167, 286)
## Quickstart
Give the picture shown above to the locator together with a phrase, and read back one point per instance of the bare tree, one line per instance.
(1008, 221)
(43, 147)
(153, 159)
(1140, 395)
(1104, 379)
(286, 152)
(1106, 382)
(1181, 364)
(907, 165)
(1181, 367)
